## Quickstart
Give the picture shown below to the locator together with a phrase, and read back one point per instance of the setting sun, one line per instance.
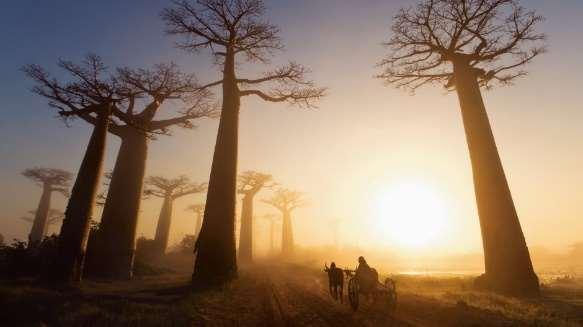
(291, 163)
(409, 214)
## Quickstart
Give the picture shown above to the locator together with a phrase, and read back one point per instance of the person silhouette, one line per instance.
(366, 275)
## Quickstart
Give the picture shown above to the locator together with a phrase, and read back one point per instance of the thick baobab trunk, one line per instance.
(117, 234)
(40, 224)
(246, 233)
(507, 260)
(75, 229)
(198, 224)
(216, 260)
(163, 228)
(287, 235)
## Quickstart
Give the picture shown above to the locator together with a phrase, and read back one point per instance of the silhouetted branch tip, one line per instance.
(173, 188)
(212, 24)
(251, 182)
(286, 200)
(55, 179)
(496, 37)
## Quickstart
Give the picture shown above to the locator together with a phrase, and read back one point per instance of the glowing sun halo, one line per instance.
(409, 214)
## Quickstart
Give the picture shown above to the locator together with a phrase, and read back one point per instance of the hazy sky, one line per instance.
(364, 139)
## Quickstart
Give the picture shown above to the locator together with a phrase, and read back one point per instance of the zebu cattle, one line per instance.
(335, 281)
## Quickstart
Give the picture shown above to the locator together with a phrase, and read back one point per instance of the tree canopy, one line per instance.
(286, 200)
(495, 37)
(92, 85)
(233, 27)
(57, 179)
(54, 216)
(251, 182)
(174, 188)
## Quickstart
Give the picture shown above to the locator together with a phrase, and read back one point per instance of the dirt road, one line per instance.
(298, 296)
(295, 296)
(275, 295)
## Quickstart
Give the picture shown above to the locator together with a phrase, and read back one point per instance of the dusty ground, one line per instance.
(280, 295)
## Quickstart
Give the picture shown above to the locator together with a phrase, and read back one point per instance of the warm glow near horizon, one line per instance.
(385, 163)
(410, 214)
(291, 162)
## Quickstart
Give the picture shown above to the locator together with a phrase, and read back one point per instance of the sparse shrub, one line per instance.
(20, 259)
(148, 260)
(145, 249)
(186, 245)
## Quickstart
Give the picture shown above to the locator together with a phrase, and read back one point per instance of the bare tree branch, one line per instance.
(300, 97)
(55, 216)
(251, 182)
(90, 90)
(172, 188)
(57, 179)
(493, 36)
(237, 27)
(156, 86)
(286, 200)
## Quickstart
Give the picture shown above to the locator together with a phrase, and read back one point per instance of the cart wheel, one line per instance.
(353, 290)
(391, 288)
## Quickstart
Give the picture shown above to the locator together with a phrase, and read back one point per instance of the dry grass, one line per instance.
(559, 304)
(167, 300)
(27, 304)
(154, 301)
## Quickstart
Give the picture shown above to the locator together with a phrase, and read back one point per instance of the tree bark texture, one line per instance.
(507, 260)
(216, 260)
(246, 233)
(287, 236)
(115, 256)
(75, 229)
(163, 227)
(40, 223)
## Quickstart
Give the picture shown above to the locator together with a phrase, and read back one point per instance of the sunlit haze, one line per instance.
(392, 168)
(409, 214)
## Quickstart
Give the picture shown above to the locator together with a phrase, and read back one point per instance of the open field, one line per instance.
(281, 295)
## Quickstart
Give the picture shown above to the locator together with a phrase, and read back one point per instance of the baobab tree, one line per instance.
(54, 217)
(466, 45)
(93, 95)
(286, 201)
(235, 31)
(51, 180)
(102, 196)
(169, 190)
(198, 210)
(271, 218)
(117, 234)
(250, 183)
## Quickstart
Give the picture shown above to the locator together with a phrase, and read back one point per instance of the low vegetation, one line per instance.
(275, 293)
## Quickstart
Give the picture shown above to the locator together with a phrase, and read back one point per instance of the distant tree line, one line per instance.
(464, 45)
